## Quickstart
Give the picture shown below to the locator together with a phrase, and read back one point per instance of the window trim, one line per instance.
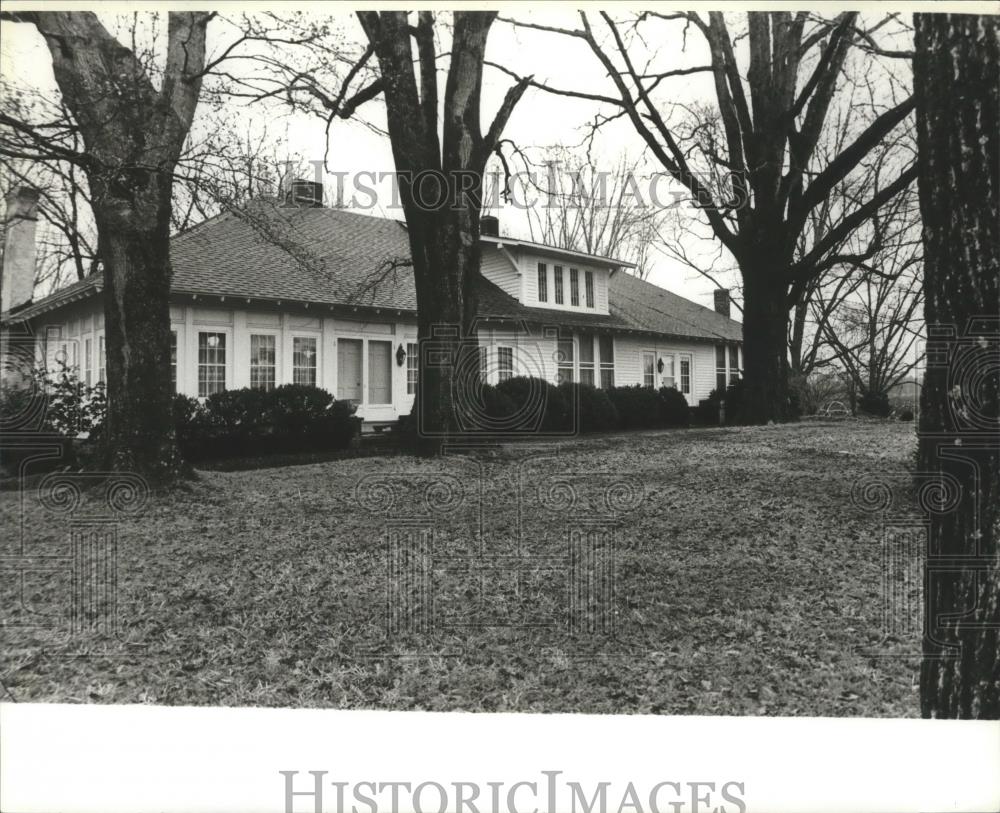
(412, 358)
(721, 373)
(174, 358)
(102, 359)
(318, 367)
(227, 383)
(671, 360)
(606, 366)
(543, 282)
(88, 361)
(504, 374)
(561, 363)
(689, 358)
(276, 335)
(587, 366)
(651, 356)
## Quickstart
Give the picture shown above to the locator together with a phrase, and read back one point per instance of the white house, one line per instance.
(308, 294)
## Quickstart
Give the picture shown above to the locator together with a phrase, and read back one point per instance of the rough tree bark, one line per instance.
(958, 128)
(133, 134)
(447, 170)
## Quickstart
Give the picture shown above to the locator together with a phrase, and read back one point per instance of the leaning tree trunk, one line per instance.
(133, 133)
(958, 121)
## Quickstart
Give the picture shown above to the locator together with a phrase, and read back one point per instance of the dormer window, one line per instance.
(543, 282)
(588, 284)
(574, 288)
(558, 279)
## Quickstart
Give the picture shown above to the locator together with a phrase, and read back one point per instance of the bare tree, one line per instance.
(597, 211)
(757, 185)
(958, 132)
(440, 153)
(132, 134)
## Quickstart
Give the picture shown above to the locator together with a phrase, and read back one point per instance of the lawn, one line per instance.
(707, 571)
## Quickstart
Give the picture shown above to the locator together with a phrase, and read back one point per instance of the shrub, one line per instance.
(593, 407)
(674, 409)
(875, 403)
(734, 402)
(290, 418)
(905, 414)
(638, 407)
(545, 405)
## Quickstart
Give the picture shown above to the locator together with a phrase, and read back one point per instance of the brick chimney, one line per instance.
(304, 194)
(489, 226)
(17, 281)
(722, 301)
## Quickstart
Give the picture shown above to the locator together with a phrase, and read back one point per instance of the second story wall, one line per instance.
(555, 268)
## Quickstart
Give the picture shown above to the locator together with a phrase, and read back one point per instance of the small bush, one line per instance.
(905, 414)
(874, 403)
(544, 404)
(594, 410)
(735, 413)
(674, 410)
(638, 407)
(290, 418)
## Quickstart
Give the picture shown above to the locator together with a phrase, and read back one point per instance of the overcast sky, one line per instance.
(540, 119)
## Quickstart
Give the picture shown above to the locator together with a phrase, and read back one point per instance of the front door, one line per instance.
(349, 370)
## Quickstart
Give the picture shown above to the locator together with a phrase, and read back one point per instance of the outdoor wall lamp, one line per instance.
(659, 366)
(400, 356)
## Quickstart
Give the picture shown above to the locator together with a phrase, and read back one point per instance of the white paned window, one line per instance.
(648, 368)
(304, 360)
(263, 361)
(587, 359)
(564, 359)
(412, 368)
(505, 364)
(606, 347)
(211, 363)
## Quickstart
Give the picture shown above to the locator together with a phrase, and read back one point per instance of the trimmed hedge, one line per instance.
(674, 409)
(522, 405)
(638, 407)
(289, 418)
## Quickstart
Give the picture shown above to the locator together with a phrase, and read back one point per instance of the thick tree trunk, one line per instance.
(133, 133)
(765, 347)
(446, 304)
(440, 181)
(138, 434)
(958, 121)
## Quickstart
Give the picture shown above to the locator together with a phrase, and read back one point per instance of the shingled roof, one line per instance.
(333, 256)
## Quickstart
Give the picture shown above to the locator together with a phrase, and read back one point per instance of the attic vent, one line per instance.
(304, 193)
